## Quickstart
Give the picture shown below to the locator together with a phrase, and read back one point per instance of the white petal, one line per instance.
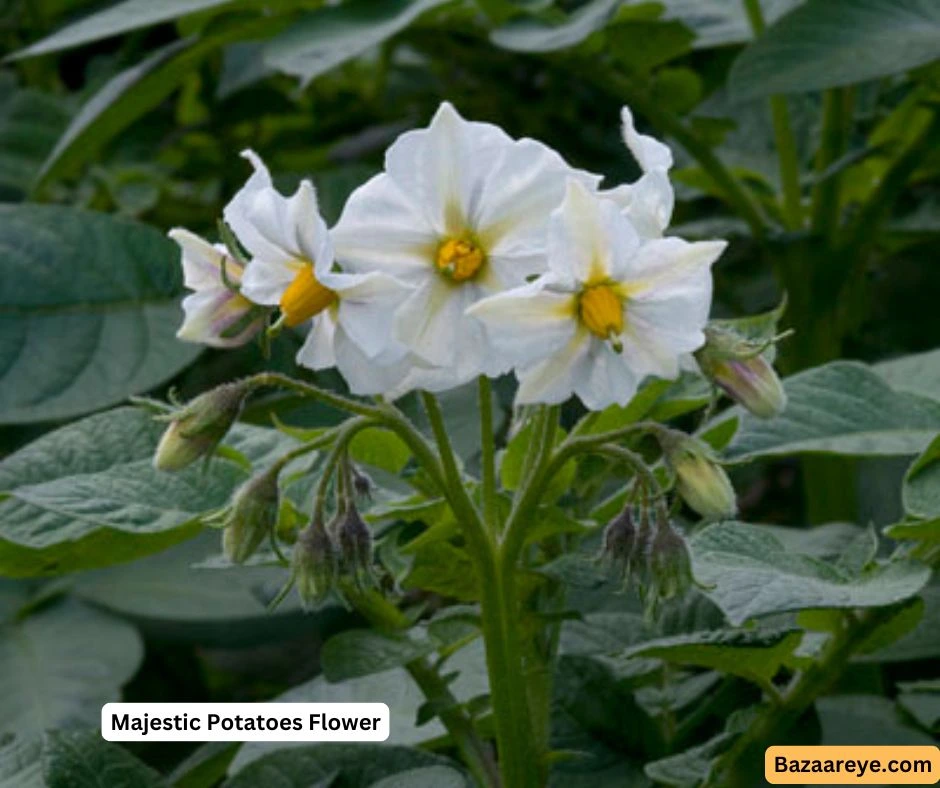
(649, 153)
(553, 380)
(210, 313)
(264, 282)
(367, 306)
(670, 267)
(367, 376)
(382, 229)
(529, 323)
(610, 380)
(648, 203)
(317, 349)
(588, 237)
(202, 261)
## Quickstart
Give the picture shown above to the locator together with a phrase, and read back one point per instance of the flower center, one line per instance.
(600, 309)
(305, 297)
(459, 259)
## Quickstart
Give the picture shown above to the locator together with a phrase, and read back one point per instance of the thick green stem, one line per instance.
(488, 455)
(837, 113)
(805, 687)
(783, 136)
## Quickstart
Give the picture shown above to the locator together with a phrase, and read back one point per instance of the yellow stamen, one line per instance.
(600, 309)
(459, 259)
(305, 297)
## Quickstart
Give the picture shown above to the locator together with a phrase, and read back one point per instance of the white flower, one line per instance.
(460, 213)
(215, 313)
(648, 202)
(292, 267)
(612, 309)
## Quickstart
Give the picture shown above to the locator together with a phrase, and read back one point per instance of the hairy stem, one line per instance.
(338, 401)
(488, 456)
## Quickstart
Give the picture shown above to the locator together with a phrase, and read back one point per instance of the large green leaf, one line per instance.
(424, 777)
(58, 666)
(748, 574)
(534, 35)
(20, 765)
(119, 18)
(361, 652)
(922, 484)
(720, 22)
(329, 36)
(87, 495)
(827, 43)
(918, 373)
(82, 759)
(752, 654)
(858, 720)
(359, 765)
(88, 311)
(169, 598)
(839, 408)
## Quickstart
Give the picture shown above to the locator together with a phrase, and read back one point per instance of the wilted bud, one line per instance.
(251, 516)
(737, 367)
(313, 564)
(621, 544)
(668, 565)
(362, 484)
(700, 480)
(196, 429)
(355, 545)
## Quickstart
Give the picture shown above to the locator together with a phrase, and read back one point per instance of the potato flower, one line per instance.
(215, 313)
(612, 309)
(460, 213)
(292, 267)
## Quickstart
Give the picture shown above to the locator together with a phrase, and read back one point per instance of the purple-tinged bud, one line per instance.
(668, 565)
(700, 480)
(197, 428)
(355, 545)
(621, 544)
(737, 367)
(314, 564)
(251, 516)
(362, 484)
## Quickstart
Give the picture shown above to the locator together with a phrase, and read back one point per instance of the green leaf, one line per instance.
(513, 460)
(828, 43)
(59, 665)
(205, 767)
(169, 599)
(380, 448)
(90, 311)
(534, 35)
(359, 765)
(87, 495)
(918, 373)
(82, 759)
(918, 640)
(748, 574)
(860, 720)
(117, 19)
(839, 408)
(718, 23)
(20, 764)
(425, 777)
(752, 654)
(361, 652)
(324, 38)
(921, 491)
(921, 530)
(921, 699)
(444, 569)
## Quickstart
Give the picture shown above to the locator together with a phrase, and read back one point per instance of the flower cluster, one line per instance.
(471, 254)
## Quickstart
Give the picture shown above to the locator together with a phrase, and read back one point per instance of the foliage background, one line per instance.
(137, 110)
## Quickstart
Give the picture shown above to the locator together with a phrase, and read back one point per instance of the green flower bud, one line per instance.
(314, 564)
(668, 565)
(700, 480)
(355, 545)
(196, 429)
(251, 516)
(737, 367)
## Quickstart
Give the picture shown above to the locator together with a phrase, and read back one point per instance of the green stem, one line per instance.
(837, 113)
(473, 749)
(338, 401)
(488, 455)
(520, 764)
(777, 718)
(783, 136)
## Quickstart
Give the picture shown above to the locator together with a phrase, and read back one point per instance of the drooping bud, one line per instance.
(355, 545)
(362, 484)
(700, 480)
(251, 516)
(737, 366)
(668, 565)
(314, 564)
(621, 543)
(197, 428)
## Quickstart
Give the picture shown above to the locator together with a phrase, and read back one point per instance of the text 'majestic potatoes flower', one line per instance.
(612, 309)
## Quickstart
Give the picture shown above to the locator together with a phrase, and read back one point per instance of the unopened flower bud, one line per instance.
(314, 564)
(668, 565)
(737, 367)
(355, 544)
(196, 429)
(251, 516)
(621, 544)
(362, 484)
(700, 480)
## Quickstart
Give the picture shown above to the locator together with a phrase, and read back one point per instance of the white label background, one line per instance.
(270, 711)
